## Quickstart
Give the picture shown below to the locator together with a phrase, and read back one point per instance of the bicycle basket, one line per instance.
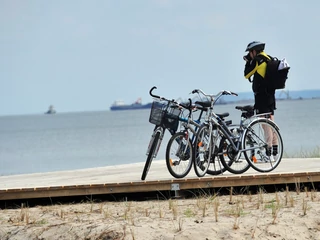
(165, 114)
(157, 112)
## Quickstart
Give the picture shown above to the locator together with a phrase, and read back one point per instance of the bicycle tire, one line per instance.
(227, 158)
(179, 155)
(150, 156)
(256, 136)
(202, 152)
(216, 166)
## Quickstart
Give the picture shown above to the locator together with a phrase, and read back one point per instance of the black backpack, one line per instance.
(276, 77)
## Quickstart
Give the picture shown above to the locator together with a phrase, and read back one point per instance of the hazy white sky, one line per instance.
(83, 55)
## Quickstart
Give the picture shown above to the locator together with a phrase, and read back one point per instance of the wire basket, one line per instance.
(165, 114)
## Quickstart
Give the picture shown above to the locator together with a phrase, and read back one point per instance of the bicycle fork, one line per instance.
(205, 144)
(183, 149)
(157, 130)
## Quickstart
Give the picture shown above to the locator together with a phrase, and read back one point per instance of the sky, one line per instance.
(83, 55)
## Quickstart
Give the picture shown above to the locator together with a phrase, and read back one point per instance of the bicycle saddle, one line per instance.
(248, 108)
(204, 104)
(222, 115)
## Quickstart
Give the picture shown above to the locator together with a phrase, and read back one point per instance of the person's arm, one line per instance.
(250, 68)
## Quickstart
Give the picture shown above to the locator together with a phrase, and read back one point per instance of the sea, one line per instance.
(77, 140)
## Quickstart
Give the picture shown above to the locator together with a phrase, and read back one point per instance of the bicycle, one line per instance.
(179, 155)
(208, 136)
(253, 140)
(165, 115)
(252, 144)
(180, 145)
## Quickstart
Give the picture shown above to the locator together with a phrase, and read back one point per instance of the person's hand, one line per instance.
(247, 58)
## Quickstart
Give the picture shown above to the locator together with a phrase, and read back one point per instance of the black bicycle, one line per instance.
(164, 115)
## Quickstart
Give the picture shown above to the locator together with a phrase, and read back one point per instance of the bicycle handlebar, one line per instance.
(231, 93)
(151, 94)
(189, 106)
(224, 92)
(161, 98)
(186, 106)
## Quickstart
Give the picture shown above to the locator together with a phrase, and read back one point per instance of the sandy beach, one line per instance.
(279, 215)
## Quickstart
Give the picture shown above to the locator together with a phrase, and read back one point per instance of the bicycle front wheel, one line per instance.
(263, 145)
(228, 158)
(216, 166)
(203, 147)
(179, 155)
(150, 156)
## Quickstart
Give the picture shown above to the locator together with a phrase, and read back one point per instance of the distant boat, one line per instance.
(120, 105)
(51, 110)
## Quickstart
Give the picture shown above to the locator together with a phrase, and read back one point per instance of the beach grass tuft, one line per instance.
(128, 220)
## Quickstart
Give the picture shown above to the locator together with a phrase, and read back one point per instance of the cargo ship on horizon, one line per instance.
(120, 105)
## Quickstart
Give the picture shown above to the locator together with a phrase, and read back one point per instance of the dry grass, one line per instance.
(303, 153)
(229, 216)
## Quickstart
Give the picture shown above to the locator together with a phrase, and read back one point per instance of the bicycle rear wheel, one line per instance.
(264, 143)
(150, 156)
(179, 155)
(203, 148)
(228, 158)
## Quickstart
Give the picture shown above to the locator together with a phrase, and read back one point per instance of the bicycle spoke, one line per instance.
(179, 155)
(228, 158)
(203, 149)
(264, 146)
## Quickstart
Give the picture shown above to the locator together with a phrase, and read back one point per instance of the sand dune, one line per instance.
(281, 215)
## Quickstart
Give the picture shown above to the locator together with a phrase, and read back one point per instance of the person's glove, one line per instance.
(247, 58)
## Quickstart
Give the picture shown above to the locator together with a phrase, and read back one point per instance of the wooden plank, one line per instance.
(163, 185)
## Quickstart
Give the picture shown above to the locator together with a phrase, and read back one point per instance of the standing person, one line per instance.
(264, 97)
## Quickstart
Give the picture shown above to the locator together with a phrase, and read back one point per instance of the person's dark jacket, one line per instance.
(264, 97)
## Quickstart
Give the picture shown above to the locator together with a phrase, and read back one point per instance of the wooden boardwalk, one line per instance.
(126, 179)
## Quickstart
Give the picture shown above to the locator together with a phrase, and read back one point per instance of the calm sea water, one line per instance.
(68, 141)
